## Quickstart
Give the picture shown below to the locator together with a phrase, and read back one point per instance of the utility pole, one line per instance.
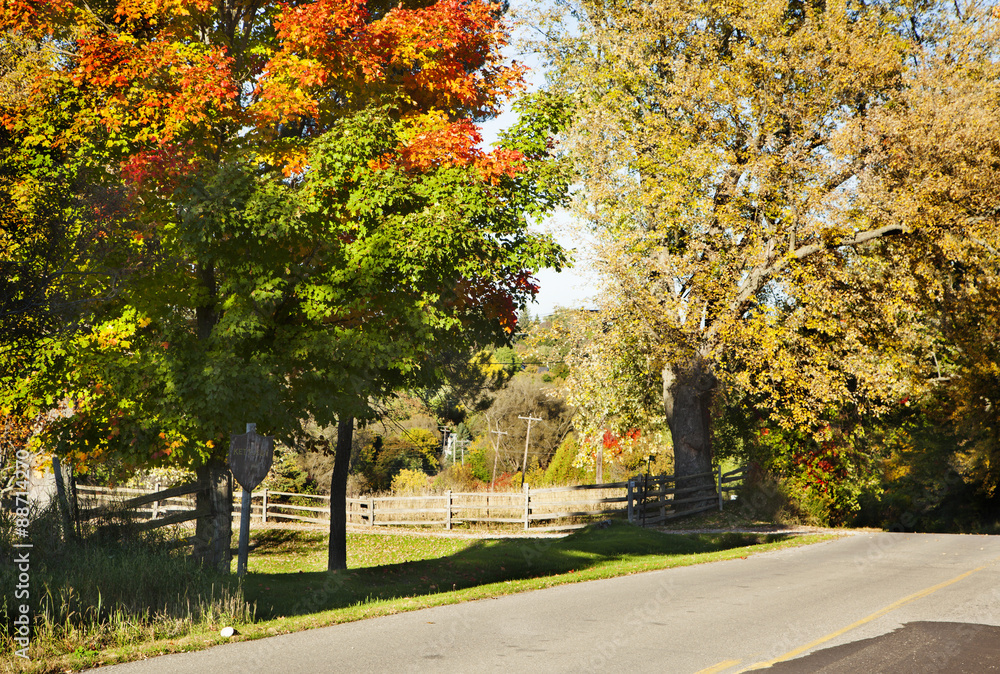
(527, 439)
(496, 453)
(444, 442)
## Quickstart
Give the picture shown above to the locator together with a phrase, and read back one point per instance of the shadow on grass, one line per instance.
(483, 563)
(281, 540)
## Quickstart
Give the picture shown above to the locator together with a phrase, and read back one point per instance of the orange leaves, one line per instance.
(319, 47)
(135, 10)
(445, 57)
(155, 90)
(448, 55)
(321, 28)
(434, 141)
(430, 140)
(500, 162)
(33, 17)
(159, 72)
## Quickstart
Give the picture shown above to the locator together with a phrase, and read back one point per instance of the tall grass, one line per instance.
(110, 587)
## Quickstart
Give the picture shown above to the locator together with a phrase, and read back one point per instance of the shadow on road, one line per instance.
(917, 647)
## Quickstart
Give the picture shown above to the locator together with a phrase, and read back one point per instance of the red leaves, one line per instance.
(616, 444)
(448, 144)
(445, 58)
(34, 18)
(493, 298)
(161, 166)
(155, 90)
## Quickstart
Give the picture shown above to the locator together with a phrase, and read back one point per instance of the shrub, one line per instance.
(458, 478)
(416, 449)
(287, 474)
(561, 470)
(410, 482)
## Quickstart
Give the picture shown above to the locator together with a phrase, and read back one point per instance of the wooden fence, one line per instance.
(654, 499)
(168, 506)
(643, 500)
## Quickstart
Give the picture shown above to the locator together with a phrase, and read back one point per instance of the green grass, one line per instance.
(291, 551)
(112, 590)
(392, 567)
(391, 573)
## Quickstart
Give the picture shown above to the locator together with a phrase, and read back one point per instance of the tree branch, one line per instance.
(759, 274)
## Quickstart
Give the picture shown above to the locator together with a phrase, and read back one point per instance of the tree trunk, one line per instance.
(214, 532)
(337, 558)
(687, 399)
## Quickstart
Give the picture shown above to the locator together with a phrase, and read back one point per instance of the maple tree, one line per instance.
(738, 160)
(304, 184)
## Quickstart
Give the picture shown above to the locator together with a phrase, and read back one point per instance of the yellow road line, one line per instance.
(714, 669)
(878, 614)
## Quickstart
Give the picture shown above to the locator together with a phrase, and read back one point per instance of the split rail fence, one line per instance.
(654, 499)
(163, 507)
(643, 500)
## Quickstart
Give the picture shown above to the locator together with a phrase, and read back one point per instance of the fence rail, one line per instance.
(643, 500)
(161, 501)
(653, 499)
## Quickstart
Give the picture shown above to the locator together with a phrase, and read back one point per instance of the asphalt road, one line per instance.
(876, 602)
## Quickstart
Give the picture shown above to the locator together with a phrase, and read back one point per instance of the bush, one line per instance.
(763, 498)
(561, 470)
(480, 462)
(458, 478)
(410, 482)
(287, 474)
(416, 450)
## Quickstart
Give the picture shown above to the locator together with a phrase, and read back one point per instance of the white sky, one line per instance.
(572, 288)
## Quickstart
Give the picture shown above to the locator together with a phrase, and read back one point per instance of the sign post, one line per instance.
(250, 457)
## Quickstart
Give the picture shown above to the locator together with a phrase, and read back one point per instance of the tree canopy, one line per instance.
(767, 181)
(305, 186)
(299, 197)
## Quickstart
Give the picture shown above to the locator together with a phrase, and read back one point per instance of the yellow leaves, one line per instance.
(150, 10)
(414, 124)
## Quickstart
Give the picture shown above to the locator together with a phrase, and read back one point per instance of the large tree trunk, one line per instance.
(214, 532)
(337, 558)
(687, 400)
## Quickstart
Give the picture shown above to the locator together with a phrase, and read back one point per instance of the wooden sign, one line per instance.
(250, 456)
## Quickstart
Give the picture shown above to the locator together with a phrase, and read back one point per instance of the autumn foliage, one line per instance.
(144, 73)
(279, 186)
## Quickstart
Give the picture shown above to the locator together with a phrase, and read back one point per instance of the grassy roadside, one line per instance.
(395, 573)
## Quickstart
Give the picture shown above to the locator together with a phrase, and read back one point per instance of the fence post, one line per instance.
(263, 508)
(447, 517)
(630, 495)
(663, 500)
(156, 504)
(371, 511)
(720, 486)
(527, 505)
